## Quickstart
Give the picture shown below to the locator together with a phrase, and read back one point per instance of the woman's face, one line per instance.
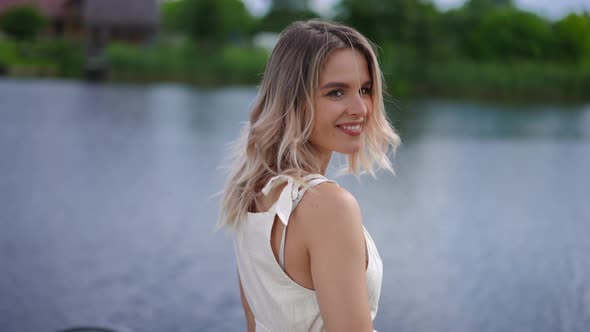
(342, 104)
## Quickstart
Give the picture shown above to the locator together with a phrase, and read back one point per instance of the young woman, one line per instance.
(305, 261)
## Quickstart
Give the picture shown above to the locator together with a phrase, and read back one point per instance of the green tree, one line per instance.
(412, 23)
(22, 22)
(509, 33)
(278, 18)
(171, 13)
(573, 37)
(481, 6)
(209, 23)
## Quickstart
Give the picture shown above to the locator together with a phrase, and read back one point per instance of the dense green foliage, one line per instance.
(22, 22)
(51, 58)
(573, 38)
(509, 34)
(486, 48)
(278, 19)
(514, 80)
(490, 30)
(400, 22)
(208, 23)
(186, 63)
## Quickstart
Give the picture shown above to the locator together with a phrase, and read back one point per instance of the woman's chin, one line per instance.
(349, 150)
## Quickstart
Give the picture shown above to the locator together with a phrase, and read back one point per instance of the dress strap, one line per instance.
(289, 199)
(284, 204)
(312, 182)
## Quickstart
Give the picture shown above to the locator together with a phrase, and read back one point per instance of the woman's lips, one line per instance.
(352, 129)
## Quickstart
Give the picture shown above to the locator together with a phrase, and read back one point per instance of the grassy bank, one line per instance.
(234, 65)
(43, 58)
(495, 80)
(406, 77)
(230, 65)
(187, 63)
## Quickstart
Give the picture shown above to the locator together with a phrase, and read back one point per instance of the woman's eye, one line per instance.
(366, 91)
(335, 93)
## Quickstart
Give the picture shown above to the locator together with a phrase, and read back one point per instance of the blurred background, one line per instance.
(114, 118)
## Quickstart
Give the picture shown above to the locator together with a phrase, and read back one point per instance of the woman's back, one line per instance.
(283, 299)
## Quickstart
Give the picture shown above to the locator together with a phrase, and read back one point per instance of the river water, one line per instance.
(107, 209)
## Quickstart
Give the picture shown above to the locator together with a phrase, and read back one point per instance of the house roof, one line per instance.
(50, 8)
(117, 12)
(109, 12)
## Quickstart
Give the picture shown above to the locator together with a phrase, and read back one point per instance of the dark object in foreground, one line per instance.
(96, 69)
(93, 329)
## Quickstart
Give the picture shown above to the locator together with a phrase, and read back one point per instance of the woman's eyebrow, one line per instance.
(330, 85)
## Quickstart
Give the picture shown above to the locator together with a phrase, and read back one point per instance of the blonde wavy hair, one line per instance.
(275, 140)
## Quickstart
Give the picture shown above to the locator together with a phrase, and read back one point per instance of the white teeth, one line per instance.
(355, 127)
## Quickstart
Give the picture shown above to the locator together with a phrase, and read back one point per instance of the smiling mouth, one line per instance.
(351, 129)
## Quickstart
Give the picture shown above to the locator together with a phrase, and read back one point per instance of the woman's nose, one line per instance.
(358, 104)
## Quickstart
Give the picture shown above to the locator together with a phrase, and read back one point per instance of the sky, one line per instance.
(549, 8)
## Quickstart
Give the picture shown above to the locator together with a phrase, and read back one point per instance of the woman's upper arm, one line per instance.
(247, 311)
(336, 244)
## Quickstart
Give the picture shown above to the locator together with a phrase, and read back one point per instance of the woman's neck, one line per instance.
(325, 161)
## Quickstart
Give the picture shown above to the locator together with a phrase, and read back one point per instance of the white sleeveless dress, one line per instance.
(280, 304)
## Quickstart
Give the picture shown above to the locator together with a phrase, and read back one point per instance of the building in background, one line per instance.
(128, 20)
(134, 21)
(97, 22)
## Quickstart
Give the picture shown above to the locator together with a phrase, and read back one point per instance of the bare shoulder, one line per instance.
(332, 227)
(327, 198)
(328, 210)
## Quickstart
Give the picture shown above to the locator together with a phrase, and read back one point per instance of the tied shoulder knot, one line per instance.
(284, 204)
